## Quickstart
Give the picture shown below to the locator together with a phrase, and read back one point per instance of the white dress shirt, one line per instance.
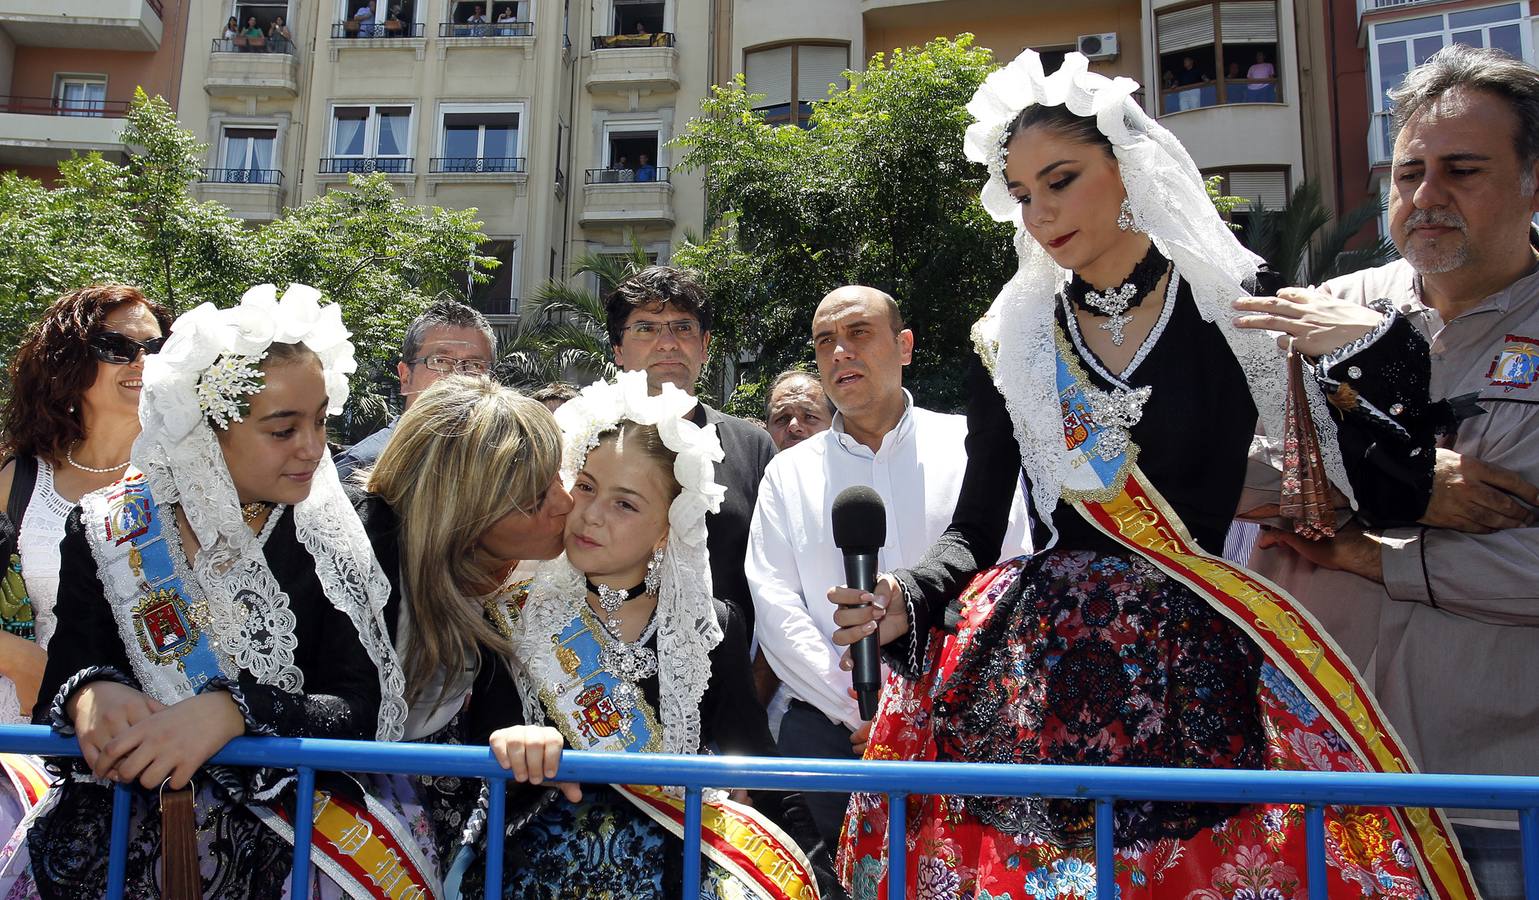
(792, 560)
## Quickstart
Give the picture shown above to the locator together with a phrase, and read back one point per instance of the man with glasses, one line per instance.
(659, 322)
(448, 338)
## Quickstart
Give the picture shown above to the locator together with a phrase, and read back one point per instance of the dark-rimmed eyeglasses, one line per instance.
(647, 331)
(120, 349)
(445, 365)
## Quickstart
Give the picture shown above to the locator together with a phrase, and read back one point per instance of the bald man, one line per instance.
(797, 408)
(912, 457)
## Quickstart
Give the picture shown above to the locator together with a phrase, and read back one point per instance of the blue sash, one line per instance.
(594, 708)
(169, 628)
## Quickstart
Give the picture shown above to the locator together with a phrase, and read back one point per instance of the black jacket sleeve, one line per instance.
(977, 531)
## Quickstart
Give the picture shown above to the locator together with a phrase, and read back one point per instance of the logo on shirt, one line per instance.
(1517, 364)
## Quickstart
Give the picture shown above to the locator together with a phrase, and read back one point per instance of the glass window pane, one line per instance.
(393, 128)
(1408, 27)
(500, 142)
(460, 141)
(1467, 17)
(262, 153)
(1392, 63)
(1426, 46)
(1475, 38)
(348, 130)
(1509, 38)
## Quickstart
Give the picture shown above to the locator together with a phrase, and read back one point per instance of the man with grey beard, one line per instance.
(1442, 618)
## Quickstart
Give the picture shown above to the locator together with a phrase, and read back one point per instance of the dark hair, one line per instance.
(627, 433)
(556, 390)
(445, 314)
(54, 367)
(1060, 119)
(649, 289)
(1494, 71)
(796, 374)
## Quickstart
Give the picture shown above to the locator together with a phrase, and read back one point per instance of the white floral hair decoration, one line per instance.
(200, 380)
(209, 366)
(1169, 202)
(687, 625)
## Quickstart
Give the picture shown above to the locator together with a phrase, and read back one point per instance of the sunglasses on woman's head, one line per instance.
(120, 349)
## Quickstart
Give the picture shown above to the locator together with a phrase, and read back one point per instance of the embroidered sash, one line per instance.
(595, 709)
(27, 776)
(1109, 491)
(159, 611)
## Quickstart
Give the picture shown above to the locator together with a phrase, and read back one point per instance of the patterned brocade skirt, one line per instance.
(1074, 657)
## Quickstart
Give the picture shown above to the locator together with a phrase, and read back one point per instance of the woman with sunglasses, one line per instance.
(72, 417)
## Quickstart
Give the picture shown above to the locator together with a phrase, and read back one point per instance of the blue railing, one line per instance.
(898, 780)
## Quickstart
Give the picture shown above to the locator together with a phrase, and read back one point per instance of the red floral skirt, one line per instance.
(1074, 657)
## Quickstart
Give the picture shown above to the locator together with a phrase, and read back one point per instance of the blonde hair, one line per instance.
(465, 454)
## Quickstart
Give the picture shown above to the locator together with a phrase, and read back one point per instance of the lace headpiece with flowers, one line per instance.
(203, 379)
(687, 627)
(1169, 203)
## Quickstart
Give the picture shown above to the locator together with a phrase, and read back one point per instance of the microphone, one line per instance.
(860, 530)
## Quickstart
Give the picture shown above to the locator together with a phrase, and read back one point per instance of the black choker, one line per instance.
(608, 595)
(1115, 302)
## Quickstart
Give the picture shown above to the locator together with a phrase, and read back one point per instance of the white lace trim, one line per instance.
(1170, 204)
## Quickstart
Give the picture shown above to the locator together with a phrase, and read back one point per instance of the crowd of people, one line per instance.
(623, 567)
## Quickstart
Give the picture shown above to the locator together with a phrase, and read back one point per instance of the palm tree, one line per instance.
(1292, 242)
(563, 336)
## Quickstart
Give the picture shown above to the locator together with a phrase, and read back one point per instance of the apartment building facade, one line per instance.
(550, 117)
(68, 72)
(1369, 46)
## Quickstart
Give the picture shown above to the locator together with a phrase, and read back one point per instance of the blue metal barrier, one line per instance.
(898, 780)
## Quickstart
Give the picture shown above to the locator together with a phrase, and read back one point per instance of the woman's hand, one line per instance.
(532, 753)
(862, 613)
(1316, 321)
(101, 711)
(173, 743)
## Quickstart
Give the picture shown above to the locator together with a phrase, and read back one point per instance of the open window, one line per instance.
(1216, 53)
(499, 295)
(638, 17)
(630, 154)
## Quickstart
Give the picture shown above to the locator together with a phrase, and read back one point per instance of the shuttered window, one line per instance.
(1269, 187)
(792, 77)
(1250, 22)
(1185, 28)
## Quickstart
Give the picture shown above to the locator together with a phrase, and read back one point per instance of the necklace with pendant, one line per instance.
(1115, 302)
(611, 599)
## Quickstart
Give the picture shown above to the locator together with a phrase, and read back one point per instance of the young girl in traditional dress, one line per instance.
(620, 646)
(1115, 375)
(223, 587)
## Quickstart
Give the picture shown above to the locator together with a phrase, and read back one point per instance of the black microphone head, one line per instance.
(860, 520)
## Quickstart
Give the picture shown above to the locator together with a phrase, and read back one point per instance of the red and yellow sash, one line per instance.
(27, 776)
(362, 848)
(1140, 519)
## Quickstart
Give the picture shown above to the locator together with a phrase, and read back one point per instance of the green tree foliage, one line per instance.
(876, 192)
(563, 336)
(381, 259)
(1303, 245)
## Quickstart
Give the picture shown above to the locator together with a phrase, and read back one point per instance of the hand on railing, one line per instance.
(861, 613)
(532, 753)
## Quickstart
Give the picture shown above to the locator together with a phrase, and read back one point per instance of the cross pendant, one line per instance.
(1115, 323)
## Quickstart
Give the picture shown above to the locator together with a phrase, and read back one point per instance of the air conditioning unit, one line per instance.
(1098, 46)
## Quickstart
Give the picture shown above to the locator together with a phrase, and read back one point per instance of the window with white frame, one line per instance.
(1216, 53)
(497, 296)
(80, 95)
(480, 138)
(1395, 48)
(246, 156)
(805, 70)
(370, 139)
(630, 154)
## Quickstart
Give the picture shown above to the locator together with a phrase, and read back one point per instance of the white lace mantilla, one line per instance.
(1169, 203)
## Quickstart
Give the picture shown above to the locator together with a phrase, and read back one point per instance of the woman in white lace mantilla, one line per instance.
(223, 587)
(1115, 374)
(620, 646)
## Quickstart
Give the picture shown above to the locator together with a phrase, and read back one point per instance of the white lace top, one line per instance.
(42, 528)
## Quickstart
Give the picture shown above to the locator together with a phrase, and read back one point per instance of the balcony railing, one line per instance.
(485, 30)
(243, 176)
(1212, 93)
(473, 164)
(391, 29)
(53, 106)
(1102, 785)
(1381, 140)
(253, 45)
(344, 165)
(625, 176)
(496, 306)
(618, 41)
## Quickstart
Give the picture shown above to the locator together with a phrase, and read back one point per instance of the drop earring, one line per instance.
(654, 579)
(1125, 215)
